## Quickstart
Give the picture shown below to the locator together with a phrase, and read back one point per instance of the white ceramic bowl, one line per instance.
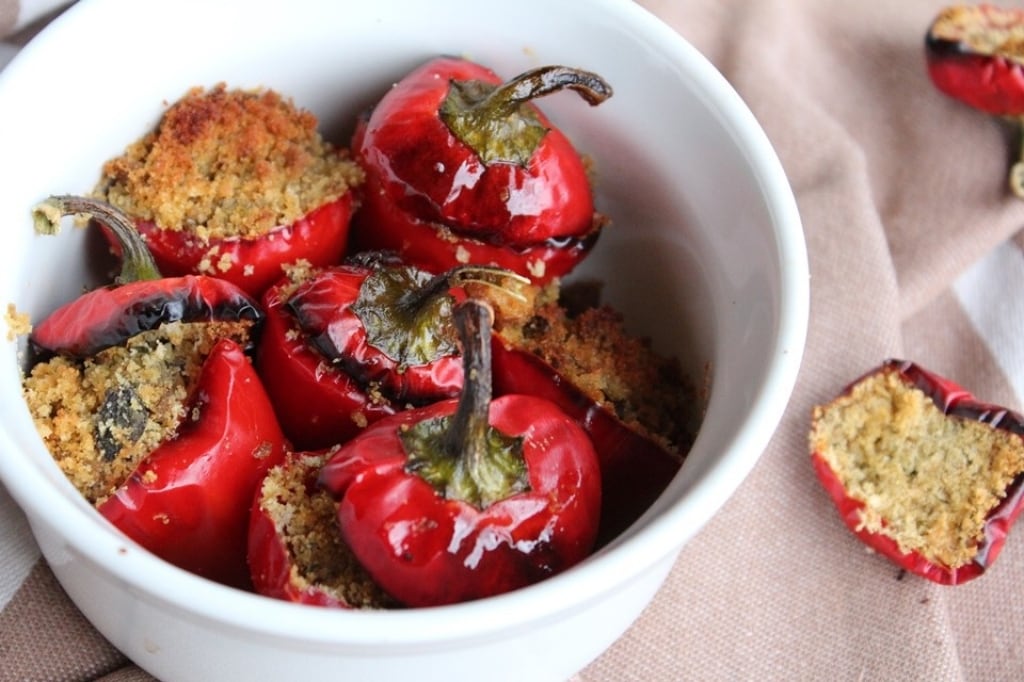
(706, 255)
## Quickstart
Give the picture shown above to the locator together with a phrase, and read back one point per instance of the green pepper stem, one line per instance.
(546, 80)
(504, 280)
(467, 433)
(137, 262)
(462, 456)
(494, 121)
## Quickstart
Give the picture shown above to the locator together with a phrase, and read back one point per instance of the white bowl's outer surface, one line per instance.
(706, 255)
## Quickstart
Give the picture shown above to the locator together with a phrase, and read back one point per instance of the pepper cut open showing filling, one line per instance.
(305, 519)
(927, 478)
(101, 416)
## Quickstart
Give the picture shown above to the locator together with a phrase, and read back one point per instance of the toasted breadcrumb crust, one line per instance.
(306, 517)
(927, 479)
(592, 348)
(985, 29)
(228, 163)
(101, 416)
(18, 324)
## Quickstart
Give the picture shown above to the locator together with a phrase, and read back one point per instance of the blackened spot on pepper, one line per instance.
(121, 419)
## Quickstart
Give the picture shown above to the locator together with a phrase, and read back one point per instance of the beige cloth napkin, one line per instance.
(915, 251)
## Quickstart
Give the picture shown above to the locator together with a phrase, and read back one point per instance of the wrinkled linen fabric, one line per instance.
(916, 251)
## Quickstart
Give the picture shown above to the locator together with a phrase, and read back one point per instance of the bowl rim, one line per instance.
(657, 536)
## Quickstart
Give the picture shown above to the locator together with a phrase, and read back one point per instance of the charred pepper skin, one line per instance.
(140, 300)
(954, 400)
(188, 500)
(430, 532)
(318, 404)
(447, 184)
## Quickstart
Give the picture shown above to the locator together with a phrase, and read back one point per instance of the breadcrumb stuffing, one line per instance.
(101, 416)
(592, 348)
(228, 163)
(18, 324)
(306, 517)
(927, 479)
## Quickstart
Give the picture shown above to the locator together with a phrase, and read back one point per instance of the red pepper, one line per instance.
(188, 501)
(295, 551)
(959, 406)
(635, 469)
(377, 333)
(317, 403)
(975, 55)
(319, 238)
(140, 300)
(462, 168)
(467, 498)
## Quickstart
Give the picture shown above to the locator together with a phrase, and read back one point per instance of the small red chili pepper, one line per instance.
(975, 54)
(188, 501)
(635, 469)
(468, 497)
(462, 168)
(914, 456)
(378, 333)
(140, 299)
(295, 551)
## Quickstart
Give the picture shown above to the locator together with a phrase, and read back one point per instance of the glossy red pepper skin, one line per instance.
(323, 310)
(434, 199)
(634, 468)
(109, 316)
(188, 501)
(317, 403)
(954, 400)
(988, 74)
(320, 237)
(427, 550)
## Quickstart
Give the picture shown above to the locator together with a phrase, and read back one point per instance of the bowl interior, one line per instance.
(705, 254)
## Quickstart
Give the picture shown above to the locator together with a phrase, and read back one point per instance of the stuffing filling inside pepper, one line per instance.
(101, 416)
(588, 343)
(983, 30)
(927, 479)
(228, 163)
(306, 517)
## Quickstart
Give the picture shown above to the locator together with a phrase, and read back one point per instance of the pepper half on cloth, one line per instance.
(922, 471)
(975, 54)
(149, 405)
(462, 168)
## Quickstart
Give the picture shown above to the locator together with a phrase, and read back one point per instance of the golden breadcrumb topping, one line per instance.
(18, 324)
(228, 163)
(983, 28)
(306, 517)
(927, 479)
(592, 348)
(101, 416)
